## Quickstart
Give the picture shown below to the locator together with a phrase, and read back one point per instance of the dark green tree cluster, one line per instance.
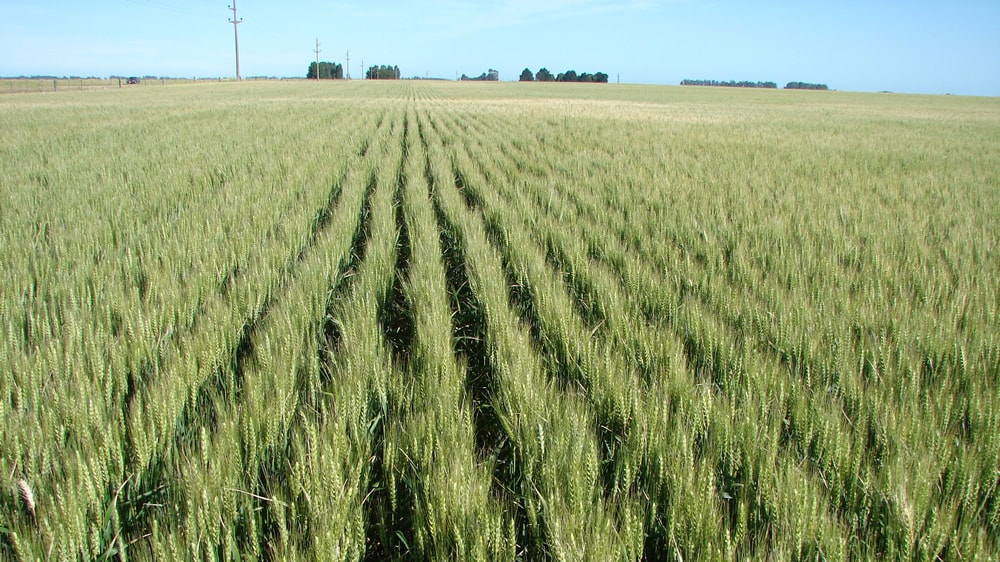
(383, 72)
(729, 84)
(491, 76)
(572, 76)
(327, 71)
(569, 76)
(805, 86)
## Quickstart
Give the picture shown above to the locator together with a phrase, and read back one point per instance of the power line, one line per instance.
(236, 34)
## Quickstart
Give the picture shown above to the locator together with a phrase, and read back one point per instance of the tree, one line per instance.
(568, 76)
(327, 71)
(571, 76)
(805, 86)
(382, 72)
(527, 76)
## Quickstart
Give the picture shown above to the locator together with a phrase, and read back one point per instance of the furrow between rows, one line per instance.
(556, 326)
(557, 463)
(278, 356)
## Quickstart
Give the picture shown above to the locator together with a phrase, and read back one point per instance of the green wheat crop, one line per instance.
(411, 320)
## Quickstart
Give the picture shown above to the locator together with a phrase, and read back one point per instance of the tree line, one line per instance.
(382, 72)
(544, 75)
(492, 75)
(805, 86)
(749, 84)
(729, 84)
(327, 71)
(335, 71)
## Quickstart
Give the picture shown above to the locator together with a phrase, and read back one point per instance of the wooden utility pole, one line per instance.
(347, 71)
(236, 34)
(317, 51)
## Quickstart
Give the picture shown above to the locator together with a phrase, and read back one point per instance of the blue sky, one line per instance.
(902, 46)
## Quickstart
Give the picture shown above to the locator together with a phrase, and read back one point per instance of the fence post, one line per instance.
(54, 88)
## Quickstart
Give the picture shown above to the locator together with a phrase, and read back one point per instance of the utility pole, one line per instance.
(363, 69)
(347, 71)
(236, 21)
(317, 51)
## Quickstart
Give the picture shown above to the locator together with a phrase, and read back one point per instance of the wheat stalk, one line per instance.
(27, 496)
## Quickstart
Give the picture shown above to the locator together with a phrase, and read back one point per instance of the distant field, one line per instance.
(33, 85)
(362, 320)
(36, 85)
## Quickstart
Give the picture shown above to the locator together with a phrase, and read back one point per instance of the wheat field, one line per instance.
(418, 320)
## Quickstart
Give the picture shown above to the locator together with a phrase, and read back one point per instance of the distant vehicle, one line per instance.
(133, 80)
